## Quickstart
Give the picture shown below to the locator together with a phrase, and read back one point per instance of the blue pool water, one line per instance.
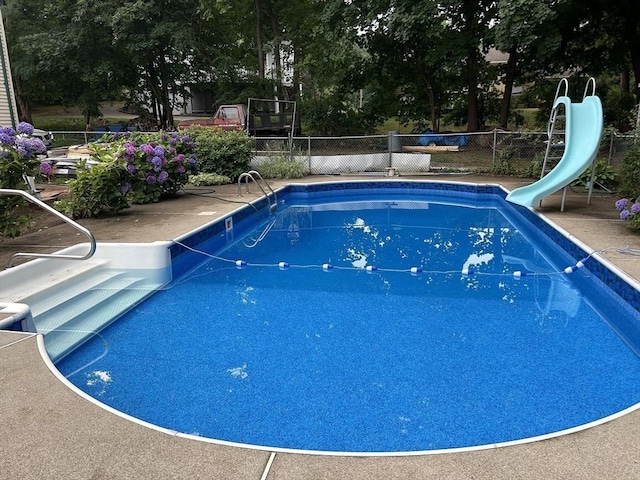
(342, 359)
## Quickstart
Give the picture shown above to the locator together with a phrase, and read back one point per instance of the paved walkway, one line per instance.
(48, 431)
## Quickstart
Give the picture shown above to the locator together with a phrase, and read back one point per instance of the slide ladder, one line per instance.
(573, 137)
(556, 134)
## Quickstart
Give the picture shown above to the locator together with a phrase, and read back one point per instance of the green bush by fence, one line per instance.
(220, 152)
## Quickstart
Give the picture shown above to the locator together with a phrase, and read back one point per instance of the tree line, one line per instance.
(355, 62)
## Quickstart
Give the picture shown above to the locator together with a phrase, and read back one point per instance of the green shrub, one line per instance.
(605, 175)
(630, 172)
(96, 190)
(220, 152)
(534, 169)
(504, 162)
(282, 167)
(208, 179)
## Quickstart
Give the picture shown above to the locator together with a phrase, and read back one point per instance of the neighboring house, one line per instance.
(204, 102)
(8, 109)
(496, 57)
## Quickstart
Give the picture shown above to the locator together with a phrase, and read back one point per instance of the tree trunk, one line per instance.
(259, 46)
(167, 117)
(473, 110)
(625, 81)
(433, 108)
(22, 102)
(635, 61)
(508, 86)
(275, 28)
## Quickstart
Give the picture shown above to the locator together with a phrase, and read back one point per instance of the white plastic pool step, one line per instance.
(28, 285)
(53, 296)
(56, 310)
(62, 294)
(71, 323)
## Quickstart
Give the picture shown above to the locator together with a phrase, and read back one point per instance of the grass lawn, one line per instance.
(70, 119)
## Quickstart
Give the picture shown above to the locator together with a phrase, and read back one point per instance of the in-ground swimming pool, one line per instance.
(372, 317)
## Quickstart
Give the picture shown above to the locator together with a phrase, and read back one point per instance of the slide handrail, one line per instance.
(565, 82)
(591, 81)
(41, 204)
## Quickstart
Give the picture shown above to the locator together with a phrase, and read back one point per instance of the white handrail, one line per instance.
(41, 204)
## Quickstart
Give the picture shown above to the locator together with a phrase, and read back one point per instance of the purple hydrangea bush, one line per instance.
(131, 168)
(158, 164)
(19, 158)
(19, 155)
(629, 211)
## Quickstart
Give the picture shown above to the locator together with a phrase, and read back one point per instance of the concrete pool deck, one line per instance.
(48, 431)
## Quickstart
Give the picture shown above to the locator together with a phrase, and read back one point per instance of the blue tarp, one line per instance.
(429, 137)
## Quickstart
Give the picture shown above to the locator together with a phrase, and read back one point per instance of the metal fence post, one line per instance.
(394, 143)
(494, 147)
(611, 148)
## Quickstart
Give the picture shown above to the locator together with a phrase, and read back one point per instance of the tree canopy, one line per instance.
(354, 62)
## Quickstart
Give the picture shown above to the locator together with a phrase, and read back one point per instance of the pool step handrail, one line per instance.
(259, 181)
(44, 206)
(256, 241)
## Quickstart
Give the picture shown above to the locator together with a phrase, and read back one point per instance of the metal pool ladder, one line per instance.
(259, 181)
(41, 204)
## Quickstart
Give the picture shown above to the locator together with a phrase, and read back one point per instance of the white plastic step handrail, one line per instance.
(41, 204)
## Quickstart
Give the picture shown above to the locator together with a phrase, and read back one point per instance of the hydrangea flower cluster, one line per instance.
(629, 211)
(18, 154)
(157, 163)
(20, 142)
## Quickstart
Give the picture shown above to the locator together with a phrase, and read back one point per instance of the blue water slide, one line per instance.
(583, 127)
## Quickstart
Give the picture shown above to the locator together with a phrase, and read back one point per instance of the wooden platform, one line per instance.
(433, 149)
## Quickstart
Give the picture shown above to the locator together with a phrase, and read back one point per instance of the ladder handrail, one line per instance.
(591, 81)
(252, 174)
(553, 114)
(41, 204)
(565, 82)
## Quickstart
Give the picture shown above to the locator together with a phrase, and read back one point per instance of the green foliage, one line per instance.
(207, 179)
(534, 169)
(605, 175)
(95, 191)
(630, 172)
(618, 107)
(223, 153)
(489, 110)
(334, 115)
(403, 58)
(282, 167)
(504, 162)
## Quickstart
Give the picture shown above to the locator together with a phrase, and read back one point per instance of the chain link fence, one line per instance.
(495, 151)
